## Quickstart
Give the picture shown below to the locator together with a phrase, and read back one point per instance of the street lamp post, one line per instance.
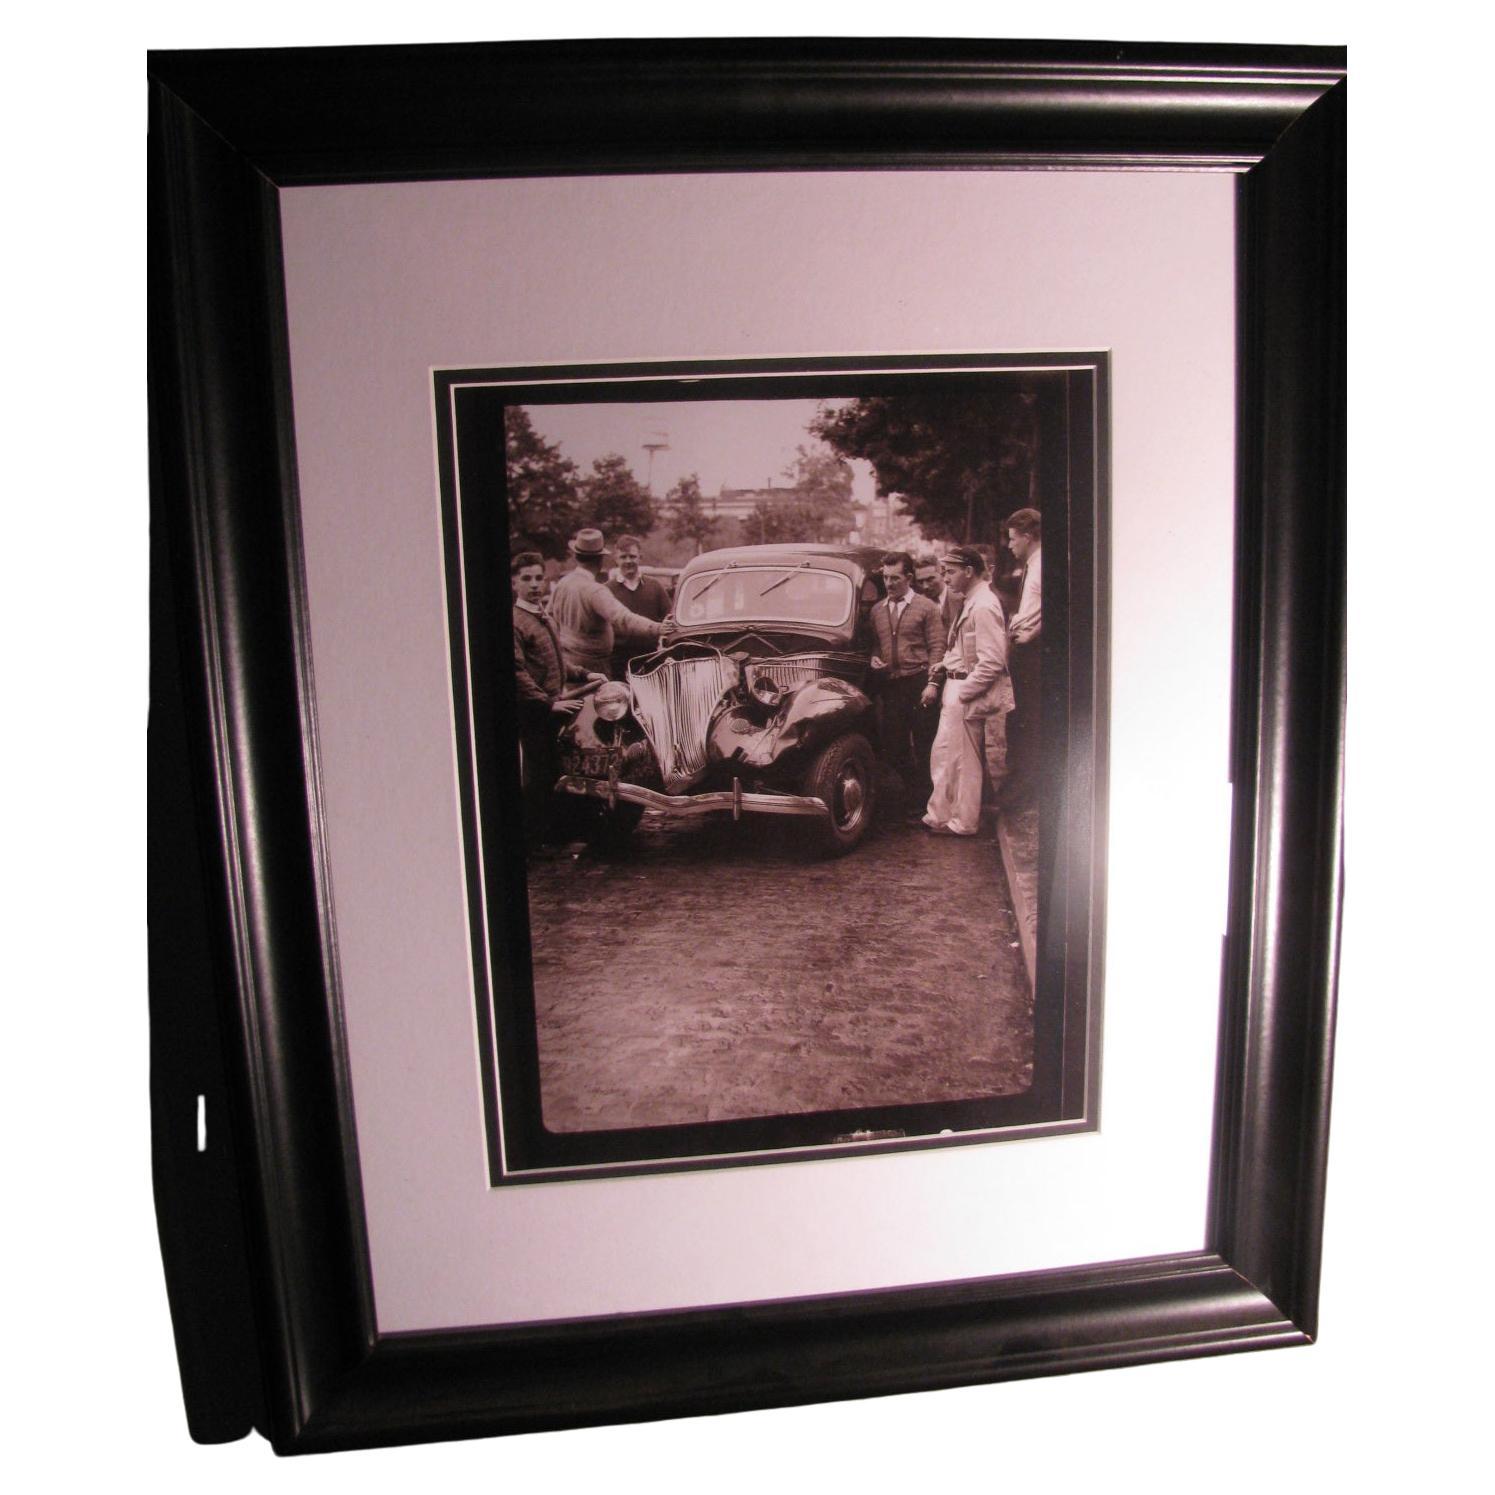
(656, 439)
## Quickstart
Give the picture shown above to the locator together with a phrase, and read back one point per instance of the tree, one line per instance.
(543, 512)
(816, 506)
(822, 493)
(792, 520)
(688, 519)
(614, 501)
(962, 453)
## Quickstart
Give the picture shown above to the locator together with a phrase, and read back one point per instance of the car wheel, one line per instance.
(844, 777)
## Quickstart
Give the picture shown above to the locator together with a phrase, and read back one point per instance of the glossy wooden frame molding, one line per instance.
(262, 1232)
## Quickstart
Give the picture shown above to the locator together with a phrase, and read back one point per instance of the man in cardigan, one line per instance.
(910, 642)
(541, 674)
(588, 616)
(971, 741)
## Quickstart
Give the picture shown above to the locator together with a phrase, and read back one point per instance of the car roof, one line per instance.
(854, 560)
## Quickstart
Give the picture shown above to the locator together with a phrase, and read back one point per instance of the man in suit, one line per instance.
(1025, 643)
(541, 674)
(640, 594)
(909, 644)
(587, 615)
(971, 742)
(927, 578)
(930, 580)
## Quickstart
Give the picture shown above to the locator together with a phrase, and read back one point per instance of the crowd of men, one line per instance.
(956, 679)
(579, 637)
(943, 639)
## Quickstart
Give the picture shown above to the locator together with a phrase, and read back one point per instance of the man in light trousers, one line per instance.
(971, 742)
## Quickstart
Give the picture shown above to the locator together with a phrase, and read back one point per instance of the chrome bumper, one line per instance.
(735, 801)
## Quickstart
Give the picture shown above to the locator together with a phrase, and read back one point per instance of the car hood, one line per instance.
(771, 638)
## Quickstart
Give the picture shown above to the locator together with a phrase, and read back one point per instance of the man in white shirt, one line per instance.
(1025, 541)
(971, 742)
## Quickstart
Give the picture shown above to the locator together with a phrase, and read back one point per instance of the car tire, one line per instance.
(844, 776)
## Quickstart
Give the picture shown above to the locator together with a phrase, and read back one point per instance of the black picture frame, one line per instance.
(262, 1238)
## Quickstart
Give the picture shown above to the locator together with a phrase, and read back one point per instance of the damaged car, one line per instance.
(757, 704)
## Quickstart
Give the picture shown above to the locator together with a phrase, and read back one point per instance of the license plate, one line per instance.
(594, 763)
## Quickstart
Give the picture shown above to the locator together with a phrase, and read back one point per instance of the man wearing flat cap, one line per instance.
(587, 615)
(971, 741)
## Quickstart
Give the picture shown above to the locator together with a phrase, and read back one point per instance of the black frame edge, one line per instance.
(220, 418)
(1282, 945)
(227, 130)
(419, 1388)
(199, 1219)
(339, 114)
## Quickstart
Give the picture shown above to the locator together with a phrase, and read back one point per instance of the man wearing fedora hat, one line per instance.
(587, 615)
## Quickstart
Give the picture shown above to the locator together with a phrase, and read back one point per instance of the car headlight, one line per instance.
(764, 689)
(612, 701)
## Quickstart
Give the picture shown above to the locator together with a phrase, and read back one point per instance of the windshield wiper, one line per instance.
(787, 576)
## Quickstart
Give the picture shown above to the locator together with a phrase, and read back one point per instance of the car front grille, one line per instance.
(673, 698)
(792, 670)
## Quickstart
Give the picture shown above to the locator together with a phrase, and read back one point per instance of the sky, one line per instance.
(736, 443)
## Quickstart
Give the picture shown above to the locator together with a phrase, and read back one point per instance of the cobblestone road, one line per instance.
(713, 973)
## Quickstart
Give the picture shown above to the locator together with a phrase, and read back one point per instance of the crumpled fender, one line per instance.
(581, 730)
(635, 758)
(754, 739)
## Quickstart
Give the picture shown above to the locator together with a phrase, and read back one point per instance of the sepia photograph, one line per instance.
(776, 687)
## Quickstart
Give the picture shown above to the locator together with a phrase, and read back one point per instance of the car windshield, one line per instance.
(787, 594)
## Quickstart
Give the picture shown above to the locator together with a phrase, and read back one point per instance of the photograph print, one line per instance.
(776, 696)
